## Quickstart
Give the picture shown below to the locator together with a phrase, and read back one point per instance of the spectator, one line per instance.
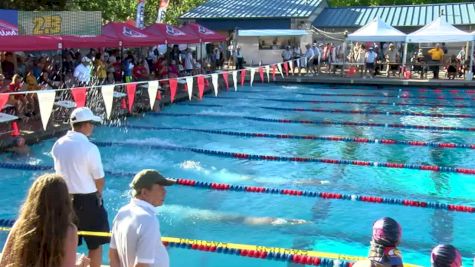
(128, 67)
(437, 55)
(44, 233)
(8, 67)
(392, 59)
(239, 58)
(309, 56)
(370, 59)
(79, 162)
(286, 54)
(445, 256)
(82, 72)
(136, 239)
(188, 62)
(140, 72)
(383, 251)
(100, 68)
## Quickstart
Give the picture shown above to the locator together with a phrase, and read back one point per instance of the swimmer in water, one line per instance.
(19, 147)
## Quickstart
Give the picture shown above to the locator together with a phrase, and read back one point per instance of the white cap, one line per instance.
(83, 114)
(85, 60)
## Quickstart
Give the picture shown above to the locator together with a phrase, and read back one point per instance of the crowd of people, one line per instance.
(61, 204)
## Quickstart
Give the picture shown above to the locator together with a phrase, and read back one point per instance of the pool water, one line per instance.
(330, 225)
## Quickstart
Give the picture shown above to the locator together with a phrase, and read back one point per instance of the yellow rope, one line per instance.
(240, 246)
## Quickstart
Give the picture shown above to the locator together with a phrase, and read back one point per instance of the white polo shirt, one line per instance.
(82, 73)
(136, 236)
(78, 161)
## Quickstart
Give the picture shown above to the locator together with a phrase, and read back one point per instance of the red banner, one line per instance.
(226, 82)
(173, 83)
(273, 72)
(131, 88)
(79, 96)
(261, 73)
(3, 100)
(201, 86)
(243, 76)
(286, 68)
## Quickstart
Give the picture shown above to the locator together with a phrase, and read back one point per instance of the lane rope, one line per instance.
(322, 122)
(310, 137)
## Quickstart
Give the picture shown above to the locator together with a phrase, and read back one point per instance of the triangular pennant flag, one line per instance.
(15, 129)
(79, 96)
(286, 68)
(201, 86)
(152, 92)
(261, 73)
(273, 72)
(173, 84)
(235, 81)
(46, 102)
(291, 65)
(225, 78)
(279, 66)
(243, 76)
(108, 96)
(131, 88)
(267, 72)
(189, 85)
(214, 79)
(253, 72)
(3, 100)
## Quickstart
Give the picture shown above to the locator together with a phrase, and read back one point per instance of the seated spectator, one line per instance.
(139, 72)
(18, 100)
(8, 67)
(445, 256)
(451, 68)
(44, 233)
(31, 82)
(172, 70)
(383, 251)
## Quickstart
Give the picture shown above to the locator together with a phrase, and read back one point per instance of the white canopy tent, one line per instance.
(439, 30)
(377, 31)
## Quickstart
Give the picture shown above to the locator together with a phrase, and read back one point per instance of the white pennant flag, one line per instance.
(152, 92)
(279, 66)
(189, 85)
(235, 79)
(108, 96)
(46, 102)
(214, 79)
(253, 72)
(268, 71)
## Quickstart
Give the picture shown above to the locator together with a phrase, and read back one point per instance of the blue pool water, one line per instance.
(331, 225)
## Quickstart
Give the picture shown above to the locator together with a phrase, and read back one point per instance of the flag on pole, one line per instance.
(162, 10)
(140, 17)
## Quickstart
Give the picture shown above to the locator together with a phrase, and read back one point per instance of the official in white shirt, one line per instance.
(136, 239)
(79, 162)
(82, 72)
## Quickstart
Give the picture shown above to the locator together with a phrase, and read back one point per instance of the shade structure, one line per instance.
(88, 41)
(172, 34)
(29, 43)
(272, 32)
(377, 31)
(439, 30)
(130, 36)
(205, 34)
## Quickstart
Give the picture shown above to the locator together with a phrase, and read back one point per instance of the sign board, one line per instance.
(59, 22)
(8, 22)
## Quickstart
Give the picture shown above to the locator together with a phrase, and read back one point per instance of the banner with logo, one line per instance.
(59, 22)
(162, 10)
(8, 22)
(140, 17)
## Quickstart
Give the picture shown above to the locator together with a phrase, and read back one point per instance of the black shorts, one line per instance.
(91, 216)
(370, 66)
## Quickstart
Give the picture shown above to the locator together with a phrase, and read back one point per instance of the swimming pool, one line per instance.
(330, 225)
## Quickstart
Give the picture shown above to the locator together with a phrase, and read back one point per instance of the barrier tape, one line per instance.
(244, 156)
(323, 122)
(344, 102)
(313, 137)
(307, 257)
(370, 112)
(326, 195)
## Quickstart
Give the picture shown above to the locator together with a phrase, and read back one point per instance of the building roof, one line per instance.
(244, 9)
(402, 16)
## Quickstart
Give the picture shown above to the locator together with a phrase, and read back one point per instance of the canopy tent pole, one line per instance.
(404, 55)
(471, 58)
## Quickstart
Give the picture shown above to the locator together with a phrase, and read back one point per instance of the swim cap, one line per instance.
(386, 232)
(445, 256)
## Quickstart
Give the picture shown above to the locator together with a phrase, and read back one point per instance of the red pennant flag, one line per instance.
(3, 100)
(79, 96)
(273, 72)
(206, 83)
(243, 76)
(123, 104)
(286, 68)
(201, 86)
(261, 73)
(225, 78)
(131, 88)
(173, 84)
(15, 129)
(159, 95)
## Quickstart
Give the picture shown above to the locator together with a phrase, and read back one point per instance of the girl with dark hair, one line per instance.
(445, 256)
(44, 234)
(383, 251)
